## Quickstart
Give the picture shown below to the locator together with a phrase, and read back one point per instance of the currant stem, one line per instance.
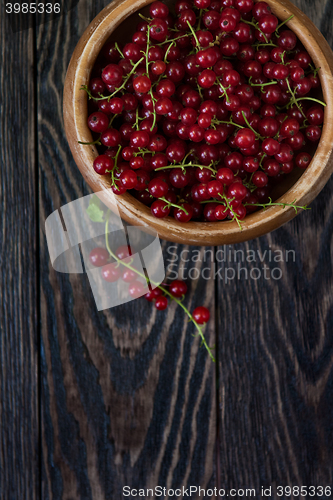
(311, 99)
(113, 182)
(147, 19)
(230, 122)
(276, 204)
(164, 290)
(184, 165)
(227, 203)
(284, 22)
(261, 84)
(172, 44)
(194, 34)
(97, 142)
(224, 92)
(118, 48)
(250, 127)
(256, 26)
(269, 44)
(169, 204)
(111, 119)
(175, 39)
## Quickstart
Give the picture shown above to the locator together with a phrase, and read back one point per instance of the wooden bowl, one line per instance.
(302, 187)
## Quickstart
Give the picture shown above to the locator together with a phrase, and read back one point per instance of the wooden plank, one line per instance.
(19, 452)
(275, 348)
(128, 396)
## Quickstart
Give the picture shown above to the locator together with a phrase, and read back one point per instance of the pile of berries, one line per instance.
(114, 269)
(205, 110)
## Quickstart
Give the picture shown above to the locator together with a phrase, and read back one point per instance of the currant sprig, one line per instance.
(272, 203)
(156, 285)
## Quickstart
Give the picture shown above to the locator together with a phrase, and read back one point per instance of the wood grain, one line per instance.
(275, 349)
(19, 453)
(128, 396)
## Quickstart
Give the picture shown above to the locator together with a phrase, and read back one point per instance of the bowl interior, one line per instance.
(125, 35)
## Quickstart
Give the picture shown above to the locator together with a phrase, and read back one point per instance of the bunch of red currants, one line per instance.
(120, 269)
(205, 110)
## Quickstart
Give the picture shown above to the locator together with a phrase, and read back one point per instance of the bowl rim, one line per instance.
(305, 189)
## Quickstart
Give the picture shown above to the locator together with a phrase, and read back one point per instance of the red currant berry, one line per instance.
(136, 289)
(129, 179)
(271, 147)
(313, 133)
(111, 272)
(303, 160)
(139, 139)
(98, 122)
(183, 214)
(201, 315)
(245, 138)
(153, 294)
(142, 84)
(315, 115)
(259, 179)
(268, 23)
(160, 209)
(112, 74)
(102, 164)
(161, 303)
(159, 9)
(158, 30)
(99, 256)
(158, 188)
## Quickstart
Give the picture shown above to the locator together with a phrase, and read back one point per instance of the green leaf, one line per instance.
(94, 211)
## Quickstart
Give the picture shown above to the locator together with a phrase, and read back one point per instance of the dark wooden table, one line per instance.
(93, 401)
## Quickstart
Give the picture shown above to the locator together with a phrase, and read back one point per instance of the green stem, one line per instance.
(293, 98)
(250, 127)
(311, 99)
(194, 34)
(120, 52)
(156, 285)
(113, 182)
(200, 16)
(108, 97)
(269, 44)
(276, 204)
(262, 160)
(111, 119)
(137, 118)
(256, 26)
(261, 84)
(227, 203)
(167, 52)
(222, 122)
(184, 165)
(284, 22)
(147, 19)
(224, 91)
(98, 142)
(143, 152)
(175, 39)
(169, 204)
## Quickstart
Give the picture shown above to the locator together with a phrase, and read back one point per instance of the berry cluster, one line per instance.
(205, 110)
(118, 266)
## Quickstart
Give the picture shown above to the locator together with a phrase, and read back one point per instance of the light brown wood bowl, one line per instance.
(302, 187)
